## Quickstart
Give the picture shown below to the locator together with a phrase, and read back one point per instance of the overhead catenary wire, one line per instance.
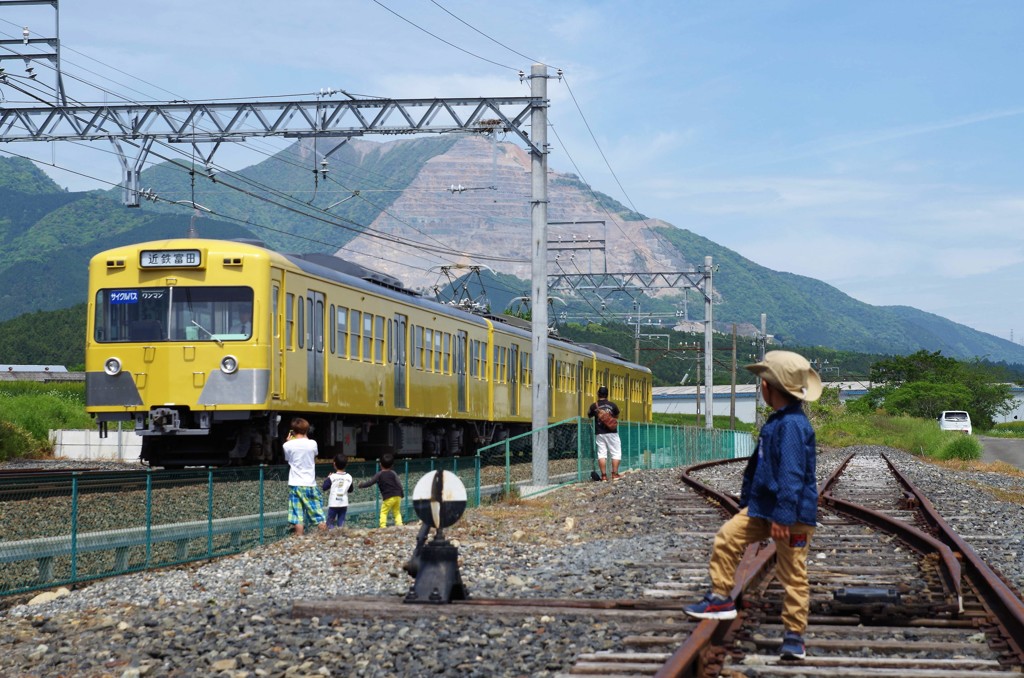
(437, 37)
(410, 242)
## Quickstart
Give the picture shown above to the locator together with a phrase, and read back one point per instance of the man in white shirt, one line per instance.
(304, 500)
(244, 323)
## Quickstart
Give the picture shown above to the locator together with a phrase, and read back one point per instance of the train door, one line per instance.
(400, 338)
(460, 369)
(582, 397)
(277, 337)
(513, 379)
(315, 346)
(551, 385)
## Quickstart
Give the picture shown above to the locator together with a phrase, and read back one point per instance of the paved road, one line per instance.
(1010, 450)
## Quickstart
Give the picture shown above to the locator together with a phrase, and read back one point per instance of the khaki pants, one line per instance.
(790, 566)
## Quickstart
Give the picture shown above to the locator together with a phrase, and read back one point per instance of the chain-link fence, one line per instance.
(62, 529)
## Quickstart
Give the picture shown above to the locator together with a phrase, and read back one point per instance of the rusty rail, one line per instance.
(919, 540)
(1000, 599)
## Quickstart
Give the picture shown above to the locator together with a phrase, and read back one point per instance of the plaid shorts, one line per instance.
(305, 505)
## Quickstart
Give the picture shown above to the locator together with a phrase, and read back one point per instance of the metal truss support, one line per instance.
(216, 123)
(27, 48)
(636, 283)
(131, 170)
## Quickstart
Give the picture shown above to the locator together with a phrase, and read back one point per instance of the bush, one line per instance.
(961, 447)
(38, 414)
(15, 443)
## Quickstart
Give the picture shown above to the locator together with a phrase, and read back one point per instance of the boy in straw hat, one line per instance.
(779, 499)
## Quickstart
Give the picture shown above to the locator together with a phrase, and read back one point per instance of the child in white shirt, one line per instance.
(337, 486)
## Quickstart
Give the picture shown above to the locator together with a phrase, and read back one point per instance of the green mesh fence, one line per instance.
(63, 530)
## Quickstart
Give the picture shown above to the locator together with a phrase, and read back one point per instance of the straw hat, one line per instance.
(790, 372)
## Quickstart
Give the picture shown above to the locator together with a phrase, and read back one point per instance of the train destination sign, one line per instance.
(170, 259)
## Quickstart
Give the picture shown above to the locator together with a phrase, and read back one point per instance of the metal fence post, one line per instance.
(74, 526)
(209, 512)
(477, 473)
(508, 468)
(149, 516)
(579, 449)
(261, 515)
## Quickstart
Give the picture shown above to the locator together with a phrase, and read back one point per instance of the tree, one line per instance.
(923, 384)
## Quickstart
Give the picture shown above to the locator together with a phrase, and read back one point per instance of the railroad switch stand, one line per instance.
(438, 579)
(439, 499)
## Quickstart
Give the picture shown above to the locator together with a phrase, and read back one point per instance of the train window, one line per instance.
(275, 301)
(473, 348)
(483, 359)
(318, 326)
(378, 340)
(353, 333)
(526, 378)
(289, 310)
(428, 345)
(417, 347)
(342, 332)
(391, 344)
(158, 314)
(447, 353)
(332, 330)
(301, 325)
(367, 336)
(437, 350)
(310, 325)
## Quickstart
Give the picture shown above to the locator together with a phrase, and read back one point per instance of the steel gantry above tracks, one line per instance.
(140, 124)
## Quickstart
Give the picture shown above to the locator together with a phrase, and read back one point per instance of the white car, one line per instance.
(955, 420)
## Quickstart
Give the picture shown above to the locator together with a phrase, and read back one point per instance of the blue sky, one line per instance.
(876, 146)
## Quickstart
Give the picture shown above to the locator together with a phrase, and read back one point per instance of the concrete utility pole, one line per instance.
(708, 348)
(759, 403)
(539, 277)
(732, 390)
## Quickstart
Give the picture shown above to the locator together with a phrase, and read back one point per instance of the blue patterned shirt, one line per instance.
(780, 483)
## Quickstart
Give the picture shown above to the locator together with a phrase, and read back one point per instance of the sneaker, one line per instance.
(616, 476)
(792, 646)
(712, 607)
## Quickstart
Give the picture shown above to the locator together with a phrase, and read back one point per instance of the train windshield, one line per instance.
(154, 314)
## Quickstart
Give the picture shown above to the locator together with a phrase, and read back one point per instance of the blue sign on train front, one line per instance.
(124, 296)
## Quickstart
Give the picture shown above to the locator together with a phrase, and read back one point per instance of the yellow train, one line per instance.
(210, 347)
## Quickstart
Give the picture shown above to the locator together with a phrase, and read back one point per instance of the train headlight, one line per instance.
(112, 366)
(229, 364)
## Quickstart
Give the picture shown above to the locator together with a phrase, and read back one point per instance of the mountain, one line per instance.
(458, 199)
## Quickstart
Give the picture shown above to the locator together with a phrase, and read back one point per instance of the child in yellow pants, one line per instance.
(391, 492)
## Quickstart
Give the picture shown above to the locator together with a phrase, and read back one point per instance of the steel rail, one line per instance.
(919, 540)
(757, 561)
(1004, 604)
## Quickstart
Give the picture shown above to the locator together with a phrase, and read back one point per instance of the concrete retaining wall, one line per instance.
(87, 444)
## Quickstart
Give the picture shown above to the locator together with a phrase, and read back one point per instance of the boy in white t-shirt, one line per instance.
(337, 486)
(304, 502)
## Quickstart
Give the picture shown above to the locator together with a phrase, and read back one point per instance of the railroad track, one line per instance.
(34, 483)
(884, 602)
(923, 609)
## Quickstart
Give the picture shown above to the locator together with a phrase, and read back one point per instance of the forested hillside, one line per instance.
(48, 235)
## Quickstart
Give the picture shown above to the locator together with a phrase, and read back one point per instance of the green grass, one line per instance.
(1008, 429)
(30, 410)
(675, 419)
(917, 436)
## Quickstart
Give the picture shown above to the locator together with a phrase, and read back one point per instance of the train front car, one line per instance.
(178, 349)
